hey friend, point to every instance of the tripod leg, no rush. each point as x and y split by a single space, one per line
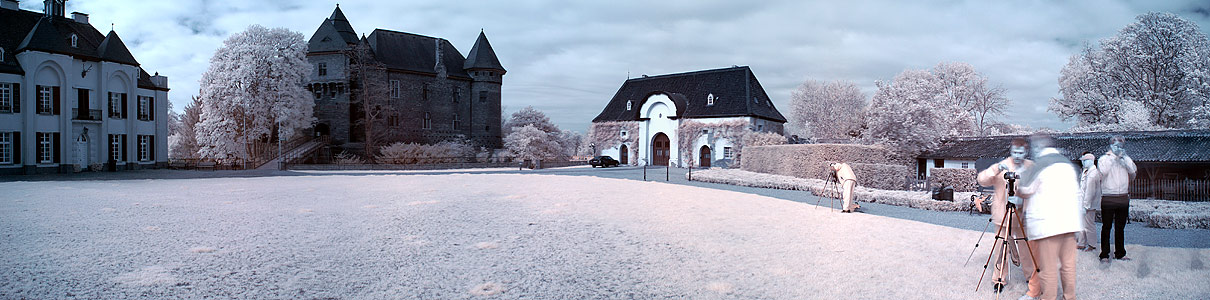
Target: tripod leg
1027 245
821 194
992 253
980 240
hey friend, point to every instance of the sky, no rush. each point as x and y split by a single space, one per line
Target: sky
567 58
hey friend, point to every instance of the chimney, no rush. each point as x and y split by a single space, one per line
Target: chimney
10 4
159 80
54 8
79 17
439 67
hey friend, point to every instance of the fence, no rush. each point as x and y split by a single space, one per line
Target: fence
1171 189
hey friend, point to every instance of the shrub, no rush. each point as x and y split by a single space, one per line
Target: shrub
809 160
346 158
401 153
881 176
962 180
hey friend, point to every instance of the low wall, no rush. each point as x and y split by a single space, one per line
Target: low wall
962 180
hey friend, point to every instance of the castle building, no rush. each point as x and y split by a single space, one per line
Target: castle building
659 105
433 92
71 97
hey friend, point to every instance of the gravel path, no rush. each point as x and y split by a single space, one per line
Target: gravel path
494 236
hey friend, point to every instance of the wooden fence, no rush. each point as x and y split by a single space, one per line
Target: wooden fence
1171 189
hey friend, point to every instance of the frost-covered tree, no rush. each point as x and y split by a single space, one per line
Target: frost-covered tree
831 110
372 95
252 91
182 142
1160 61
918 108
530 143
570 142
529 116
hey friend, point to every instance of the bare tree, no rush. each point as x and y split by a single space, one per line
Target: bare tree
372 94
832 110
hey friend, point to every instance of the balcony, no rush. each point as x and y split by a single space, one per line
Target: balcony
86 115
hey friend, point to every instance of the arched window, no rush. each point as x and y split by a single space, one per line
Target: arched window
457 122
73 40
628 103
710 100
428 122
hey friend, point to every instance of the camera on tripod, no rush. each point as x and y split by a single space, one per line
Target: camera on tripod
1011 176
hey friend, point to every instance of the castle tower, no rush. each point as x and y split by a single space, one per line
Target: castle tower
487 75
326 53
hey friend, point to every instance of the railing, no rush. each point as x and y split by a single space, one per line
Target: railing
1171 189
90 115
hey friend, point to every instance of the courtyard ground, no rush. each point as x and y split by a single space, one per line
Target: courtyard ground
498 236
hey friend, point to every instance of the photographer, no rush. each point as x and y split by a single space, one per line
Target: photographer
994 177
848 181
1116 171
1052 210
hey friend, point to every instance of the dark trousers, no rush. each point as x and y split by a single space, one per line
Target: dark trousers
1114 211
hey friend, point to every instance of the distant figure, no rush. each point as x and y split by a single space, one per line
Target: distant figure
1090 197
1116 170
848 180
994 177
1050 200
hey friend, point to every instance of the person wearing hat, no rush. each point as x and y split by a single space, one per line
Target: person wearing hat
1090 197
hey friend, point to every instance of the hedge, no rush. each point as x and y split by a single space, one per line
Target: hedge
870 163
962 180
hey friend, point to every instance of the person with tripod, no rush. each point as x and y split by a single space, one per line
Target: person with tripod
1050 198
848 180
994 176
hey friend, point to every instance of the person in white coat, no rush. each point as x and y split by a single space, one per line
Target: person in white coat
1053 212
1116 171
1090 196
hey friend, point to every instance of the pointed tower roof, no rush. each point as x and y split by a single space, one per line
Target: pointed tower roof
43 37
112 49
482 56
342 26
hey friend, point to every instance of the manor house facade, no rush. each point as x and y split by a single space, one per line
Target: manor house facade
433 92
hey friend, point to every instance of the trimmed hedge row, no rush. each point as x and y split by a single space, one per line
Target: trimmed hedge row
870 163
1154 213
962 180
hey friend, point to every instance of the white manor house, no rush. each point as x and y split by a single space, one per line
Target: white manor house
659 105
71 97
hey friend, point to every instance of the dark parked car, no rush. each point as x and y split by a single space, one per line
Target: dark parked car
603 161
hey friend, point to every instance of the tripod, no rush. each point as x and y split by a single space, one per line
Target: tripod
1010 213
831 189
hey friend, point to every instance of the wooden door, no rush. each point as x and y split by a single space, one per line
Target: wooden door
659 150
704 158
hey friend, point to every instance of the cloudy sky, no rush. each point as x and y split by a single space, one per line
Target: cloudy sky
567 58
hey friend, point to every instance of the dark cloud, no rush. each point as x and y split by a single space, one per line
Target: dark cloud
568 58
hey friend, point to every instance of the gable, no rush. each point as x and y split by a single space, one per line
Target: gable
732 90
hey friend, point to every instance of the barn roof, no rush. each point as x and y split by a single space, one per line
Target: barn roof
736 93
1150 146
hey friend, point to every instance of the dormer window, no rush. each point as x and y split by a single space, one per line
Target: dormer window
1 54
623 133
755 100
710 100
628 103
73 40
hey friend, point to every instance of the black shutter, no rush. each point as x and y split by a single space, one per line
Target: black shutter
123 112
109 104
150 108
55 97
123 136
17 148
151 147
54 140
38 147
16 97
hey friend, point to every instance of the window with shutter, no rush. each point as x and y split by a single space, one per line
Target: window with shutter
45 98
6 148
6 97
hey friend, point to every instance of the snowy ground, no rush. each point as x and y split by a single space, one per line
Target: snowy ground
496 236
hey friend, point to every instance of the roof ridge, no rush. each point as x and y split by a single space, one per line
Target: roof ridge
719 70
404 33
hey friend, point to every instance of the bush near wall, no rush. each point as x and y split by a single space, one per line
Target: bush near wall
962 180
870 163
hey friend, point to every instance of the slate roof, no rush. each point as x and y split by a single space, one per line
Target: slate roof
733 88
416 53
28 30
1147 146
342 26
113 49
482 56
